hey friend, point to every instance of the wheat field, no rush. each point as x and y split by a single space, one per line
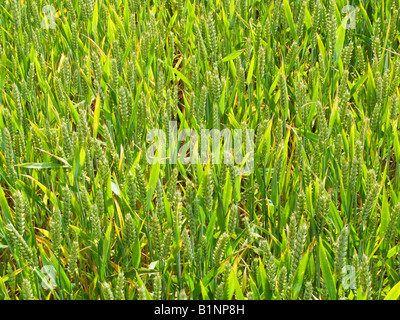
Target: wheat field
307 91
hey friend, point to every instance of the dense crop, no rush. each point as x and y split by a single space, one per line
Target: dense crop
317 217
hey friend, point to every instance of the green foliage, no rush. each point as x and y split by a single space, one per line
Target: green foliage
77 107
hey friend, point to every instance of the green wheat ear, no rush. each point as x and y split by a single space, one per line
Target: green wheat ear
394 219
11 276
281 284
16 239
212 35
232 220
371 197
301 206
167 244
308 290
298 250
70 9
107 291
9 151
209 191
385 84
129 232
114 75
220 247
157 288
187 242
301 101
300 19
96 223
365 276
322 212
324 290
216 86
332 27
322 125
142 293
257 37
119 288
284 93
15 9
219 293
242 82
56 232
82 128
347 54
74 32
155 228
394 107
26 290
19 213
